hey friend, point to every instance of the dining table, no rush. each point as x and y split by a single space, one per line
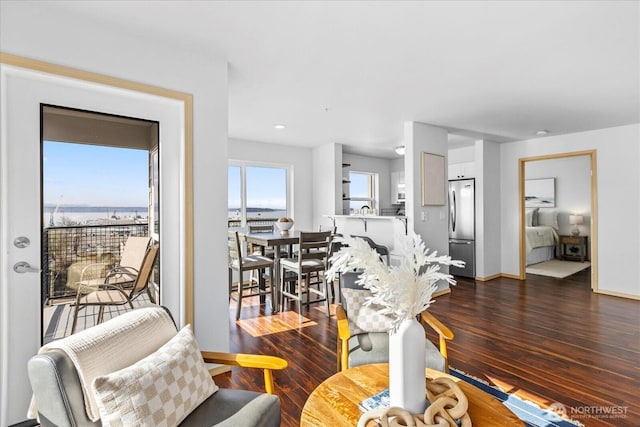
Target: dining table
276 240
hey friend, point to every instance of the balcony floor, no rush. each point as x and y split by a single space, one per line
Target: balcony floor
58 318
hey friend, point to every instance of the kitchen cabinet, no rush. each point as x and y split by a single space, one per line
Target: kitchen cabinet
462 170
397 187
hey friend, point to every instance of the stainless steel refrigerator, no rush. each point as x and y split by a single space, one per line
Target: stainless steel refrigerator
462 226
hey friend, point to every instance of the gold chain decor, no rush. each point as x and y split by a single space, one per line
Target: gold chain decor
448 404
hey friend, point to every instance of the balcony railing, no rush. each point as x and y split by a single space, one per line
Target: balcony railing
236 222
64 247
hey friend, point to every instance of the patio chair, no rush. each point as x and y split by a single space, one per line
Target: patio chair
113 294
92 275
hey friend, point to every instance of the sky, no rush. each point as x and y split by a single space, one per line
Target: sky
81 174
266 187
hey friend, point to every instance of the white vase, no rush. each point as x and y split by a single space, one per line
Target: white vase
407 382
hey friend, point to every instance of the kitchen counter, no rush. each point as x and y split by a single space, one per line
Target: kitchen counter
384 230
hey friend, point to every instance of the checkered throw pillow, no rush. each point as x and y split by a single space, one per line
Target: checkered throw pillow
159 390
364 318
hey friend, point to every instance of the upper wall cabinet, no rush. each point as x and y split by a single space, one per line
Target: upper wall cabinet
397 187
462 170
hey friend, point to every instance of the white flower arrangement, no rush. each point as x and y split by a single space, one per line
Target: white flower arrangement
404 290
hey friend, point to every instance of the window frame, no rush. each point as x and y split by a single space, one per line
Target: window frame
243 164
373 189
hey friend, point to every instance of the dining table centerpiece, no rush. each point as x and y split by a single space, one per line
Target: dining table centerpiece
402 292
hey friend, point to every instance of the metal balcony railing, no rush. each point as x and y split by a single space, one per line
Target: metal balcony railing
64 246
233 222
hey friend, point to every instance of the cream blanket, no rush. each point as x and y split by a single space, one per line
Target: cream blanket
540 236
111 346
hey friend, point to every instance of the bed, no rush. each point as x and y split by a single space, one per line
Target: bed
541 243
541 235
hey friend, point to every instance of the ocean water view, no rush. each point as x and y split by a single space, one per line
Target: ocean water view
86 215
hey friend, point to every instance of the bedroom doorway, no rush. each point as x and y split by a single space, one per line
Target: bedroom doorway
558 215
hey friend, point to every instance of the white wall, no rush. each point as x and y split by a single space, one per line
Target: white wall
462 155
373 165
488 221
327 183
573 188
299 158
397 165
40 32
418 138
618 201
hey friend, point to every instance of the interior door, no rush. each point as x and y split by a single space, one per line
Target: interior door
20 196
23 92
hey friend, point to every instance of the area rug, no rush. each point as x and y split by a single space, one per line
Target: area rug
557 268
528 412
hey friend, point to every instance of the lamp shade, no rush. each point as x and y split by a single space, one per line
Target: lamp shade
576 219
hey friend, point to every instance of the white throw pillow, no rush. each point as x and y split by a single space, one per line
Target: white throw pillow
548 217
159 390
528 218
364 318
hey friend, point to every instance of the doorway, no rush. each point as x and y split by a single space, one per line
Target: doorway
566 218
26 86
99 189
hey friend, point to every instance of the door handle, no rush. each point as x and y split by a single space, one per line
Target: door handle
24 267
452 210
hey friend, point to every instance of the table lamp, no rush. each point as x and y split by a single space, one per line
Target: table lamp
575 220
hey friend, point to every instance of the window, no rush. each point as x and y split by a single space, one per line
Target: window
257 193
363 190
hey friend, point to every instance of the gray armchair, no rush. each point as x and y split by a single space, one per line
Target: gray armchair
355 349
60 398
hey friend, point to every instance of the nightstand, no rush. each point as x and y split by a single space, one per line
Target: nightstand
573 248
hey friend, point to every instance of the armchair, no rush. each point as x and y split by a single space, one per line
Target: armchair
67 377
354 349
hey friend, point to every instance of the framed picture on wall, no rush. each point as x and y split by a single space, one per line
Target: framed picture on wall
540 193
432 179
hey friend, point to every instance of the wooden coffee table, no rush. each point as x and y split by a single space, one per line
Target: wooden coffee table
335 402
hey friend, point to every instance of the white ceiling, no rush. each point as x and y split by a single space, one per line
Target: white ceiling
353 72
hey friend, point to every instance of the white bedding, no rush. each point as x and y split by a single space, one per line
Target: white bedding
539 236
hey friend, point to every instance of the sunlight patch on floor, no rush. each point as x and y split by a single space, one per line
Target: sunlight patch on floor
273 324
522 394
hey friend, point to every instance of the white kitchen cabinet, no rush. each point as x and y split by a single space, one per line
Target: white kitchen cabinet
397 187
462 170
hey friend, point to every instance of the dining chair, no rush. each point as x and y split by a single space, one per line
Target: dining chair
382 250
110 294
310 263
285 250
241 264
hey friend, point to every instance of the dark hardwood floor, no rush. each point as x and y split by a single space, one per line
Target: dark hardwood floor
547 340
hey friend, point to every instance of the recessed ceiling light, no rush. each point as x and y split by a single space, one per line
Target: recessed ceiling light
400 150
280 126
542 132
